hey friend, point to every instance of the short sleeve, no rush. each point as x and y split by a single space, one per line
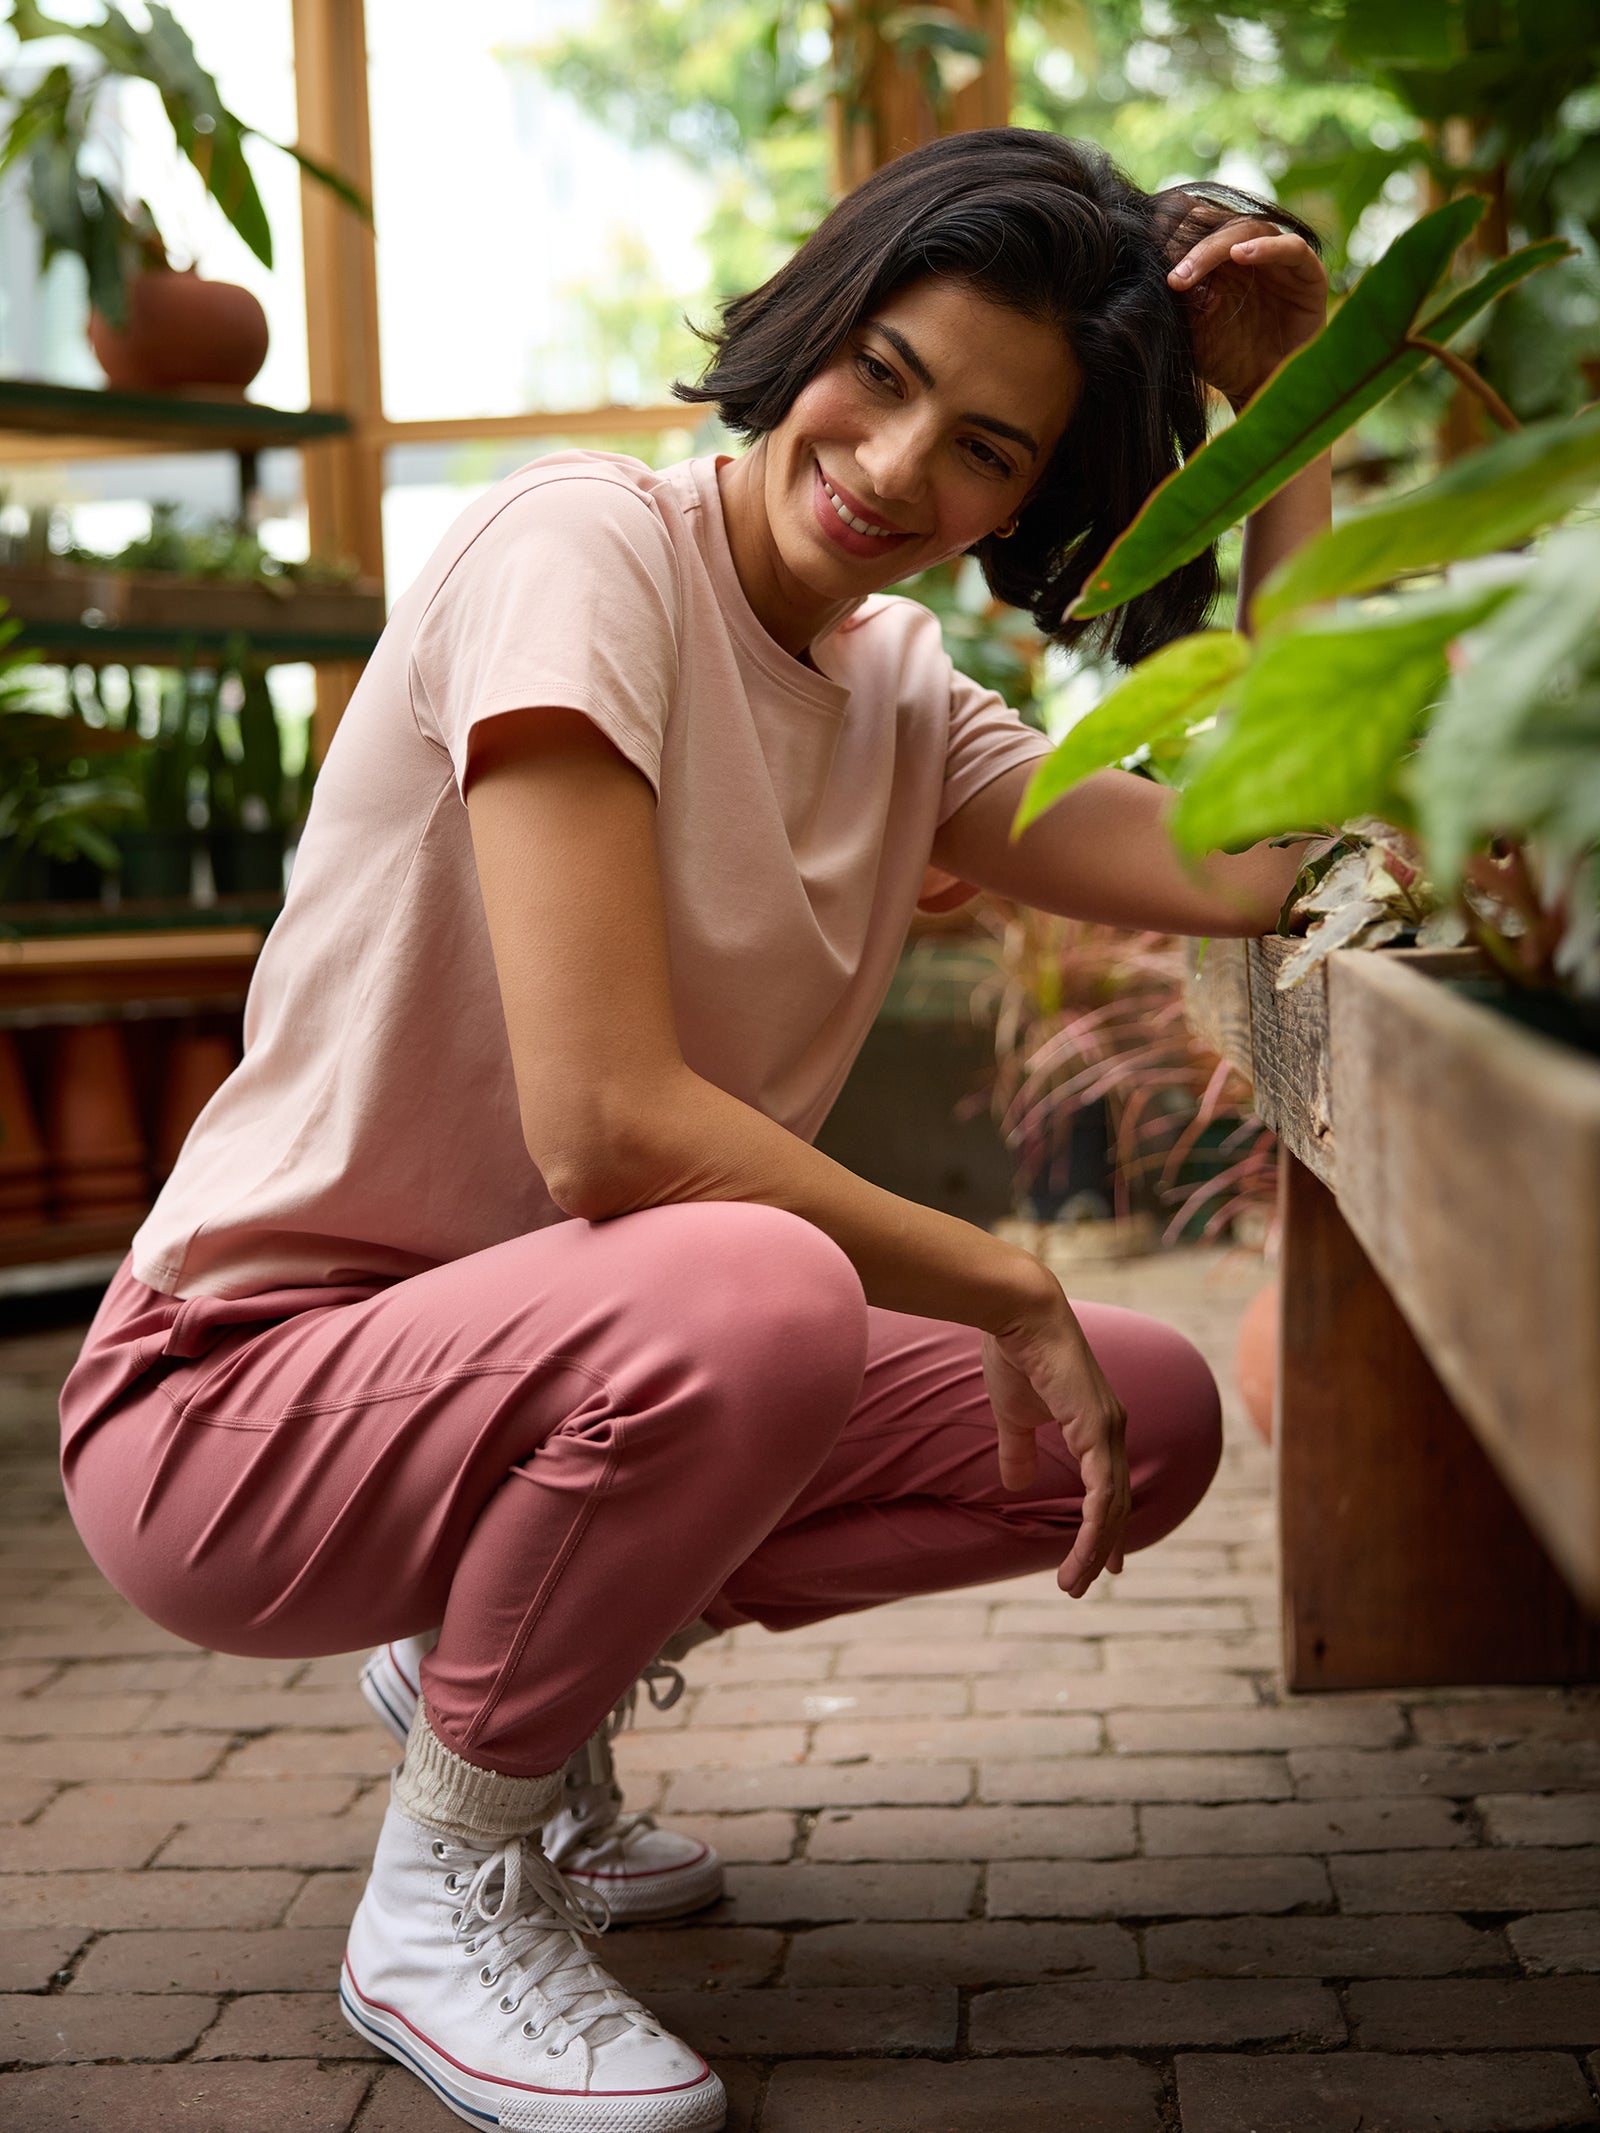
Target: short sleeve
986 739
567 598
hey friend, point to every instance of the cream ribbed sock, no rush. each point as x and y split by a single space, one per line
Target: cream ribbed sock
461 1799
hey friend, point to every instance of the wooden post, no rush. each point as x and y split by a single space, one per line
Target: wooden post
885 107
344 478
1405 1560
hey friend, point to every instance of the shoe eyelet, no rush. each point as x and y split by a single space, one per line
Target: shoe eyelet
452 1882
456 1917
437 1848
486 1976
508 2005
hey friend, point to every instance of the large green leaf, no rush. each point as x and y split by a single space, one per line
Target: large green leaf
1491 499
1321 723
1319 393
1167 693
1461 308
1514 748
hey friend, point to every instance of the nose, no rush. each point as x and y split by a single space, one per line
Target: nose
893 460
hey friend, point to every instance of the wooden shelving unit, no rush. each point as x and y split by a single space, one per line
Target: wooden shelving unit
157 971
72 613
149 965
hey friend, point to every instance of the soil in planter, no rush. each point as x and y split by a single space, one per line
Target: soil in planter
1548 1014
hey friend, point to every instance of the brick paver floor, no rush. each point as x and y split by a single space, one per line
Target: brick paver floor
1000 1863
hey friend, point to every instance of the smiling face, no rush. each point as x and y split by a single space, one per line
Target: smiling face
926 430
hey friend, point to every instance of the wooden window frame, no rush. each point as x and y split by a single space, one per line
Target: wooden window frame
344 478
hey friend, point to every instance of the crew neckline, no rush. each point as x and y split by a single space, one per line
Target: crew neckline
814 683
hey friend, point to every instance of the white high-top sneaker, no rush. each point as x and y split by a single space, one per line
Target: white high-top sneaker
465 1963
643 1872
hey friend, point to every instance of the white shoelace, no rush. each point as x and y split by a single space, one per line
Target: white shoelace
661 1681
519 1909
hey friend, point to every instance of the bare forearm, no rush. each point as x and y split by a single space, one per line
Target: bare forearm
696 1142
1301 509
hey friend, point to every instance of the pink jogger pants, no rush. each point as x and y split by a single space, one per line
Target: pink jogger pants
567 1447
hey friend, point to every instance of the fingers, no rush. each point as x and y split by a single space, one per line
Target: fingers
1249 244
1282 253
1105 1512
1216 246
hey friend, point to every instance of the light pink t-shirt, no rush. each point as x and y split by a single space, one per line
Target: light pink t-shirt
372 1129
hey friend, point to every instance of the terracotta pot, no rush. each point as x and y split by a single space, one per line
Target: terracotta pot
22 1158
1255 1359
197 1066
181 331
92 1129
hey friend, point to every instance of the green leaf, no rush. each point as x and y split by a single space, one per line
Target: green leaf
1319 393
321 172
1169 692
1321 722
1515 746
1491 499
1463 307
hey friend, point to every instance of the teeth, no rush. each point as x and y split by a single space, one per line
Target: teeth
857 525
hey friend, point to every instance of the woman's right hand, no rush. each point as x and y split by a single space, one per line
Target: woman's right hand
1041 1371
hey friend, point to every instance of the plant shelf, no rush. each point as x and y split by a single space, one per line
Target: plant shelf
74 421
131 975
71 612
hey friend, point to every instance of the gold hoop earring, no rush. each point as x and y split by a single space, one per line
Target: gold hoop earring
1004 533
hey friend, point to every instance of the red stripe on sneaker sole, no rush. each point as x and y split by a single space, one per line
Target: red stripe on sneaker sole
645 1873
504 2080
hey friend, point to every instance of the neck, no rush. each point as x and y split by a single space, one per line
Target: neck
790 612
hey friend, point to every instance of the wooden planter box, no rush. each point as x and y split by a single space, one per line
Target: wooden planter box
83 613
1455 1157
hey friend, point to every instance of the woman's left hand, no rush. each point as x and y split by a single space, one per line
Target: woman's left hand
1253 295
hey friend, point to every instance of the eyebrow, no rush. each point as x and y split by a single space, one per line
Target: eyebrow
914 363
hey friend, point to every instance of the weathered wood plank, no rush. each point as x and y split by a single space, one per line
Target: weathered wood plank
1469 1168
1405 1560
1289 1036
1217 999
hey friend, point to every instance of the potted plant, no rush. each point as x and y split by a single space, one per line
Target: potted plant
153 328
253 804
1107 1099
57 811
157 849
1438 732
1422 689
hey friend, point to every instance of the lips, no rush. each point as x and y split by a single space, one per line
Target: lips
841 518
851 510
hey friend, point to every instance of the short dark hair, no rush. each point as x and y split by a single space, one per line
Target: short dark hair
1052 229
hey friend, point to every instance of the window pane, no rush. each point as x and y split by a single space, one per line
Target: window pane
527 257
